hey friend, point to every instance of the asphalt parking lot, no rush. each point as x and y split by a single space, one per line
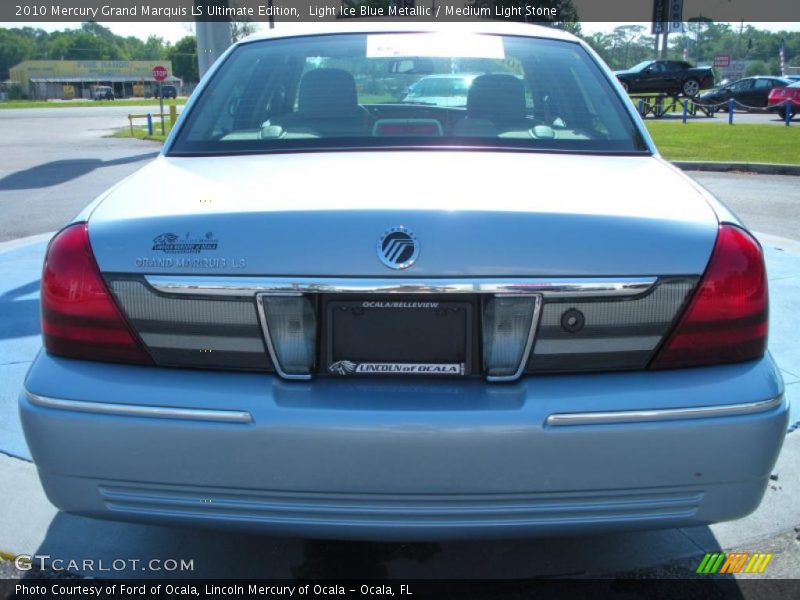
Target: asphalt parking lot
61 151
56 161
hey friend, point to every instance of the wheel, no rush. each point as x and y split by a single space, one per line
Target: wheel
783 113
690 87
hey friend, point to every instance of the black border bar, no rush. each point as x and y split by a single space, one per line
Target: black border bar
388 10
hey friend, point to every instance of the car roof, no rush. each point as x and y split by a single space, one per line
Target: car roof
287 30
753 77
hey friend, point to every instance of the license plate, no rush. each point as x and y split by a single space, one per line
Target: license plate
399 337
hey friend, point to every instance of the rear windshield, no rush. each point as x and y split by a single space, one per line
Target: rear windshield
392 90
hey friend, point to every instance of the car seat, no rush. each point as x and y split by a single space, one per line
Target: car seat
495 103
327 105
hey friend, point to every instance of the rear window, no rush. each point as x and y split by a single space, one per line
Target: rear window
391 90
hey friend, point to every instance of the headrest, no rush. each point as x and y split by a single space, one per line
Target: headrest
496 97
327 92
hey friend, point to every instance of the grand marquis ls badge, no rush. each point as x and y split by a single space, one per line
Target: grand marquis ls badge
398 248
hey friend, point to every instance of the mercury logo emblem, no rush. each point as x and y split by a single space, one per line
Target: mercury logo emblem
398 248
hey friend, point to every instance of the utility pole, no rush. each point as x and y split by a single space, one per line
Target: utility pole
213 37
665 45
739 41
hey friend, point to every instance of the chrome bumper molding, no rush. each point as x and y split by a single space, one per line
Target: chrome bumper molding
666 414
133 410
547 287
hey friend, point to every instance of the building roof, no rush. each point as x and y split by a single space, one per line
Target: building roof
171 78
87 70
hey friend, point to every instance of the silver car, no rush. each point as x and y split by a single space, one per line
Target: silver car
357 318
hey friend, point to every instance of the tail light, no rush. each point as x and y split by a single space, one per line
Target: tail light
79 316
726 319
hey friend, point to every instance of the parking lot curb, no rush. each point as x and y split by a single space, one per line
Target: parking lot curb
725 167
25 241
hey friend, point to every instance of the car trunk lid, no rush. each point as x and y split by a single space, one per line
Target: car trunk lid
475 214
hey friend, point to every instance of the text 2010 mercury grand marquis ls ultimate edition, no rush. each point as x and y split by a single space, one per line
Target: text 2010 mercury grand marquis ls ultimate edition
363 317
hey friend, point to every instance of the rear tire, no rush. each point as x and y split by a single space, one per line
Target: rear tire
690 88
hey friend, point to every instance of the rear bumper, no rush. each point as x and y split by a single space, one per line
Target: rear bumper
409 460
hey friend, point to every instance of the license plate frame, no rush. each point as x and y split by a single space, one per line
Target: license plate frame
380 337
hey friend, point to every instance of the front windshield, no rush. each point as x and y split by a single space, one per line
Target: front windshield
411 89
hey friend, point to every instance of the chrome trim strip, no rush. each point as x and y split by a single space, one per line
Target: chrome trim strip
273 355
666 414
592 345
220 343
526 353
149 411
549 287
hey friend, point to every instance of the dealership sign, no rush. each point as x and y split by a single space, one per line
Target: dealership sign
667 16
722 61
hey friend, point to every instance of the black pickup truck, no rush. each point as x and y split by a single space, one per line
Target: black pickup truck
673 77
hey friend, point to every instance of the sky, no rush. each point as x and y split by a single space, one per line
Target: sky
172 32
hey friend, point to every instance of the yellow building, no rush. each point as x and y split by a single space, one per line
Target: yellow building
45 79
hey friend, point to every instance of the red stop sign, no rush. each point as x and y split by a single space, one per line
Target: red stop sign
159 73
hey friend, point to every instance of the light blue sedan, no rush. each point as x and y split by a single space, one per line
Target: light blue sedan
355 318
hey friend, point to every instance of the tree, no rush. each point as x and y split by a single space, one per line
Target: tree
696 26
154 48
601 43
757 67
14 48
184 59
623 37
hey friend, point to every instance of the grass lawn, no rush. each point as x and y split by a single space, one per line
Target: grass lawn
727 143
140 132
85 103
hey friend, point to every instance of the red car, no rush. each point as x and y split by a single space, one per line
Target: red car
778 97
